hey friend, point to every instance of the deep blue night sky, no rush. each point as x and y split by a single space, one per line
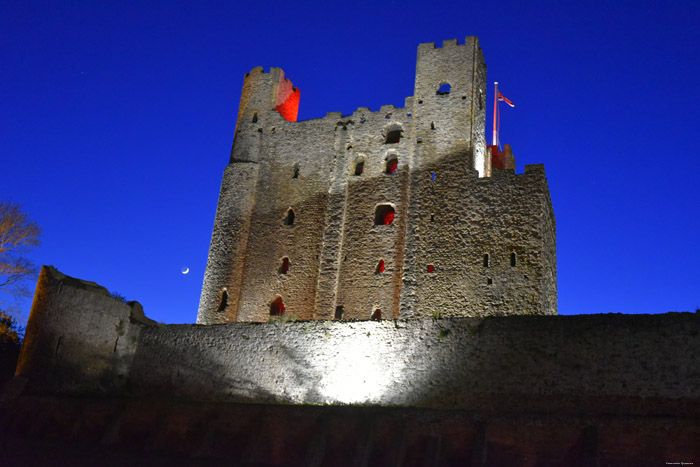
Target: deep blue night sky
116 122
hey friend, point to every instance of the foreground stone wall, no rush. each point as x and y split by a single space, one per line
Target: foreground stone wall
514 362
80 341
99 381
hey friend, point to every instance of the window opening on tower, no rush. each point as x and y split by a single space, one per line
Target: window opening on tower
384 215
359 168
391 165
443 90
277 306
224 301
289 217
380 267
393 136
284 267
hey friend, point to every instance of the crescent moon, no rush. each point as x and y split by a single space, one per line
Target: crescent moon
185 270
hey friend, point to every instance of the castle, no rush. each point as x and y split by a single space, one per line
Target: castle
401 213
397 213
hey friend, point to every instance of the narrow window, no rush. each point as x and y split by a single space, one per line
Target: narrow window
359 168
284 267
432 125
277 306
384 215
380 267
489 281
512 260
296 171
289 218
486 260
444 89
376 315
391 165
432 176
58 344
255 117
393 137
431 268
432 218
224 301
338 312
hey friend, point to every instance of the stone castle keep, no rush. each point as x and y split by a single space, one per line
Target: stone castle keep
397 213
344 222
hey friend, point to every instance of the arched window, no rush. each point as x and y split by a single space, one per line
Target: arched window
512 260
444 89
277 306
393 136
359 168
384 215
376 315
380 267
338 312
391 165
284 267
224 301
486 260
295 174
255 117
289 217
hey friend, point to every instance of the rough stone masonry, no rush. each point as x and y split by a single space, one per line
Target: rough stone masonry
397 213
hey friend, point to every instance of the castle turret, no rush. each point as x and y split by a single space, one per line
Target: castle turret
448 103
262 97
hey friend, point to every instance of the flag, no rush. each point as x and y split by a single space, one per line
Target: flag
503 98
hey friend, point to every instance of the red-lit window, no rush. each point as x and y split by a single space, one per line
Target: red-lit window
380 267
277 307
431 268
359 168
384 215
391 165
284 268
376 315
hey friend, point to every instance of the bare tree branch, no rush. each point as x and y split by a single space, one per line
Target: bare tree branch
18 235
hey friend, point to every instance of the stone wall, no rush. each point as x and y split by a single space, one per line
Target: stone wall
80 341
100 381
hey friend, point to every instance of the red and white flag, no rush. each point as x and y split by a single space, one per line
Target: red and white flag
503 98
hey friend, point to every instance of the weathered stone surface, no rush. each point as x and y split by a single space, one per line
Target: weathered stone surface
78 338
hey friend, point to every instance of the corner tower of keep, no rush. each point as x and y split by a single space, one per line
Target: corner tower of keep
393 213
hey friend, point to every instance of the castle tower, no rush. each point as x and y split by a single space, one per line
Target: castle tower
449 154
265 96
380 214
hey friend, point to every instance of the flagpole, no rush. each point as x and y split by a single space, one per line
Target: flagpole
495 111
